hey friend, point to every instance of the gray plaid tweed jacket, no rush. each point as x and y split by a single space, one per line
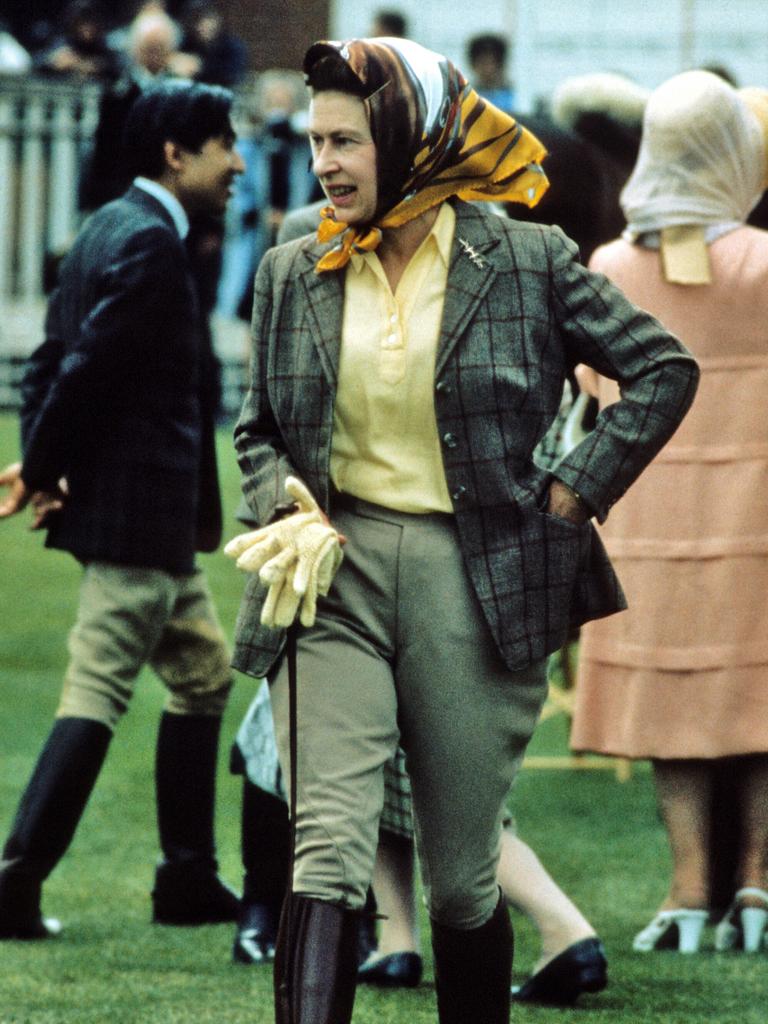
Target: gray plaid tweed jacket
519 312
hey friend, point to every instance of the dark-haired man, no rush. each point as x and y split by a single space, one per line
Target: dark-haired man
119 467
487 55
389 23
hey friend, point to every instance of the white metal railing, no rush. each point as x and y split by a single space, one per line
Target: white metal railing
45 129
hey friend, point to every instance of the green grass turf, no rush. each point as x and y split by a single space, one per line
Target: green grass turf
601 840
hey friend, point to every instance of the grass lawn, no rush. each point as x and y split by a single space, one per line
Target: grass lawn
600 838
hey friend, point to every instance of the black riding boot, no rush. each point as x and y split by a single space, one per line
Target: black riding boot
46 819
315 962
188 890
266 851
473 971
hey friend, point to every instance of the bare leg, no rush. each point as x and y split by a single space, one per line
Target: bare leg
393 884
529 887
753 787
684 790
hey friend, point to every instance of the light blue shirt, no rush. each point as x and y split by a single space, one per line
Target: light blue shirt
169 201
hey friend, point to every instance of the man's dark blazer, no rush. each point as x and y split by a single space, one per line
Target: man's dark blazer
519 312
114 400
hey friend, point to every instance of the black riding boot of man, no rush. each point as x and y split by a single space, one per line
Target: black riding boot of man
188 890
46 819
315 962
473 971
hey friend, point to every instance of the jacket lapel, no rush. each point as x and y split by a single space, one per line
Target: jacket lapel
325 303
470 275
150 205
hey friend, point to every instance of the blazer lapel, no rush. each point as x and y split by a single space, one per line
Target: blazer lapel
470 275
325 303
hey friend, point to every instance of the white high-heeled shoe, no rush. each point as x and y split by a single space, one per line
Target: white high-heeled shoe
744 926
672 929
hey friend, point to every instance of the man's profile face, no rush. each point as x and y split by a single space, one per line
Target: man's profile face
205 179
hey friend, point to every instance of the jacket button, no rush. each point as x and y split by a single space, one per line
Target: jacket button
450 440
443 387
459 493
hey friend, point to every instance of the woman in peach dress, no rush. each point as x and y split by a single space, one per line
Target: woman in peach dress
682 677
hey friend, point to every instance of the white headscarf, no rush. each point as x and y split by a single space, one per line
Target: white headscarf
701 166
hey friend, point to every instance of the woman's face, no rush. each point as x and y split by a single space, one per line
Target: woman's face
344 155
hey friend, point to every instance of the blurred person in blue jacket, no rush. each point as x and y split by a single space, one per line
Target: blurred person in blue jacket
277 179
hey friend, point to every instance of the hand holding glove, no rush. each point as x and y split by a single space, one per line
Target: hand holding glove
296 557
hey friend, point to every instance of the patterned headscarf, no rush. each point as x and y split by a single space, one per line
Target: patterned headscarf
435 137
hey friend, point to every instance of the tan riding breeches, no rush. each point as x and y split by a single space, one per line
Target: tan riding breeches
401 652
128 617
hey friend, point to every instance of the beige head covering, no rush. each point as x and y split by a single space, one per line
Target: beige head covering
757 101
700 170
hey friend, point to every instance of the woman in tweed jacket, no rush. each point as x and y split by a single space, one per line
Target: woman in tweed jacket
405 365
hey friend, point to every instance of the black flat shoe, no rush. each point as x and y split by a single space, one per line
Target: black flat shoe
188 895
256 934
32 930
396 970
581 967
20 914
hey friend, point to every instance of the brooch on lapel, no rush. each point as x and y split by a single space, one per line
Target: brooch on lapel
472 253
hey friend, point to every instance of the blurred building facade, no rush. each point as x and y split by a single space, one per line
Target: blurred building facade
554 39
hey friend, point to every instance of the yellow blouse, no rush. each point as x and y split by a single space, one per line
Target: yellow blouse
385 443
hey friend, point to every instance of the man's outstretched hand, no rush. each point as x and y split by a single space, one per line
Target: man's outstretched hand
19 496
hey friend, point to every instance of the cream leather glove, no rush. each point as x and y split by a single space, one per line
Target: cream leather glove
296 557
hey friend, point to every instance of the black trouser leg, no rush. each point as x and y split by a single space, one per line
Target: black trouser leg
46 819
724 839
473 971
187 887
265 844
315 962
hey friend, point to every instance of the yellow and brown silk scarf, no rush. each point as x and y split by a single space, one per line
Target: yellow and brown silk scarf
435 138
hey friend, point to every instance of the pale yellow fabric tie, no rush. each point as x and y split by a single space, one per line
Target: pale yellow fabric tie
684 254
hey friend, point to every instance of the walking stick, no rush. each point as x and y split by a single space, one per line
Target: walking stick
293 743
284 958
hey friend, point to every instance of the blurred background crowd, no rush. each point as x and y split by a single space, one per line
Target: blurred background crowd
100 56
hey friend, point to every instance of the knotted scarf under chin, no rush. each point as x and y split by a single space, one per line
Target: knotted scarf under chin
352 240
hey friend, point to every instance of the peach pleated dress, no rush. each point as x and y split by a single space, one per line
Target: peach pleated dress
684 672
